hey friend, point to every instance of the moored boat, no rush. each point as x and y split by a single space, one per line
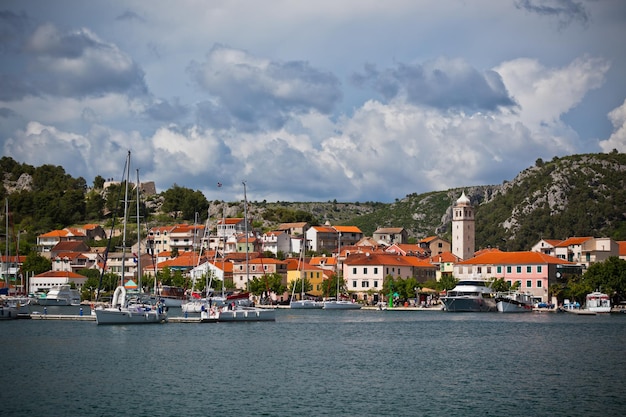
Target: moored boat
122 312
60 295
341 305
514 302
469 296
598 302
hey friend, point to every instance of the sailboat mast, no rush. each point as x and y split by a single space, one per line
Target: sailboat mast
125 217
138 239
245 215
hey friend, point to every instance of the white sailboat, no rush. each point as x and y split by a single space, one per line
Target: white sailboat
234 311
121 310
302 303
338 303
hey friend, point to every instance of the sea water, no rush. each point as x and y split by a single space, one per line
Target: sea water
320 363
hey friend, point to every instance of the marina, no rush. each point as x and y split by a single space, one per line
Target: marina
387 363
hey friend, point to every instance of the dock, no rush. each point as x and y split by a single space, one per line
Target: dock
38 316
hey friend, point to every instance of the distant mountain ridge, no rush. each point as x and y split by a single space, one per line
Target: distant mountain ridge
577 195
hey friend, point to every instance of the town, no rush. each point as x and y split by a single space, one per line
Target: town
372 270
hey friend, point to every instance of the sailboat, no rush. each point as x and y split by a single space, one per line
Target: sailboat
302 303
236 311
121 310
338 303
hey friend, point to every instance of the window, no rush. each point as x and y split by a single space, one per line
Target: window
353 284
529 269
508 269
499 269
489 270
529 284
479 269
539 283
375 271
518 269
354 271
365 284
510 283
539 269
375 284
364 271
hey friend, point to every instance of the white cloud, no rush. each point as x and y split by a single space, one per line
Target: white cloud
618 138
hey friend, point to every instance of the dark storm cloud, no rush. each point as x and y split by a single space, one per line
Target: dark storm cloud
13 30
566 11
167 111
14 88
253 89
78 64
442 84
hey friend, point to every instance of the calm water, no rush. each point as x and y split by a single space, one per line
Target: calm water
320 363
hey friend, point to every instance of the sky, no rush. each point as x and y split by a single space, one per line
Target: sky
351 100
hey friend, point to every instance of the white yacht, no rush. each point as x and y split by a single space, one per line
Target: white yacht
469 296
122 312
341 305
60 295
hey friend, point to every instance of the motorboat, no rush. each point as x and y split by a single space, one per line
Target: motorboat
470 296
598 302
514 302
60 295
123 312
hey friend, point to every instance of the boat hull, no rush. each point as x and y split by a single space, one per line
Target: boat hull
137 315
8 313
505 306
468 304
341 305
241 314
305 304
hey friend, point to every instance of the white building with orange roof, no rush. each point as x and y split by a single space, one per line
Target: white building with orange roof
581 250
46 241
445 264
186 237
49 279
534 271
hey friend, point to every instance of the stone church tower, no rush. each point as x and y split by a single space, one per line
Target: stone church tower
463 231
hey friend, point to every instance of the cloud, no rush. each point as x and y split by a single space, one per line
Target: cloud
442 84
617 140
260 93
565 11
78 63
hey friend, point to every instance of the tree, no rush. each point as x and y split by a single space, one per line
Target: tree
98 182
36 264
608 276
447 282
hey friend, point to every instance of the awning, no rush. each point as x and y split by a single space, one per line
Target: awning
130 284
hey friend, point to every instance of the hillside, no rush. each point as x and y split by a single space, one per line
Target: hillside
578 195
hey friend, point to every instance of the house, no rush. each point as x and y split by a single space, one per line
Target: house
435 245
93 231
622 249
445 264
47 241
276 241
391 235
348 235
9 271
315 276
584 251
158 239
257 267
69 246
322 239
534 271
407 249
294 229
49 279
185 237
365 273
72 261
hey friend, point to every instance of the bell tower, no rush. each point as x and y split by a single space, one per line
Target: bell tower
463 231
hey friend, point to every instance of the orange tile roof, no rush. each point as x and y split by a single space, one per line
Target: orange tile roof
348 229
59 274
514 258
573 241
324 229
55 233
622 247
445 257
